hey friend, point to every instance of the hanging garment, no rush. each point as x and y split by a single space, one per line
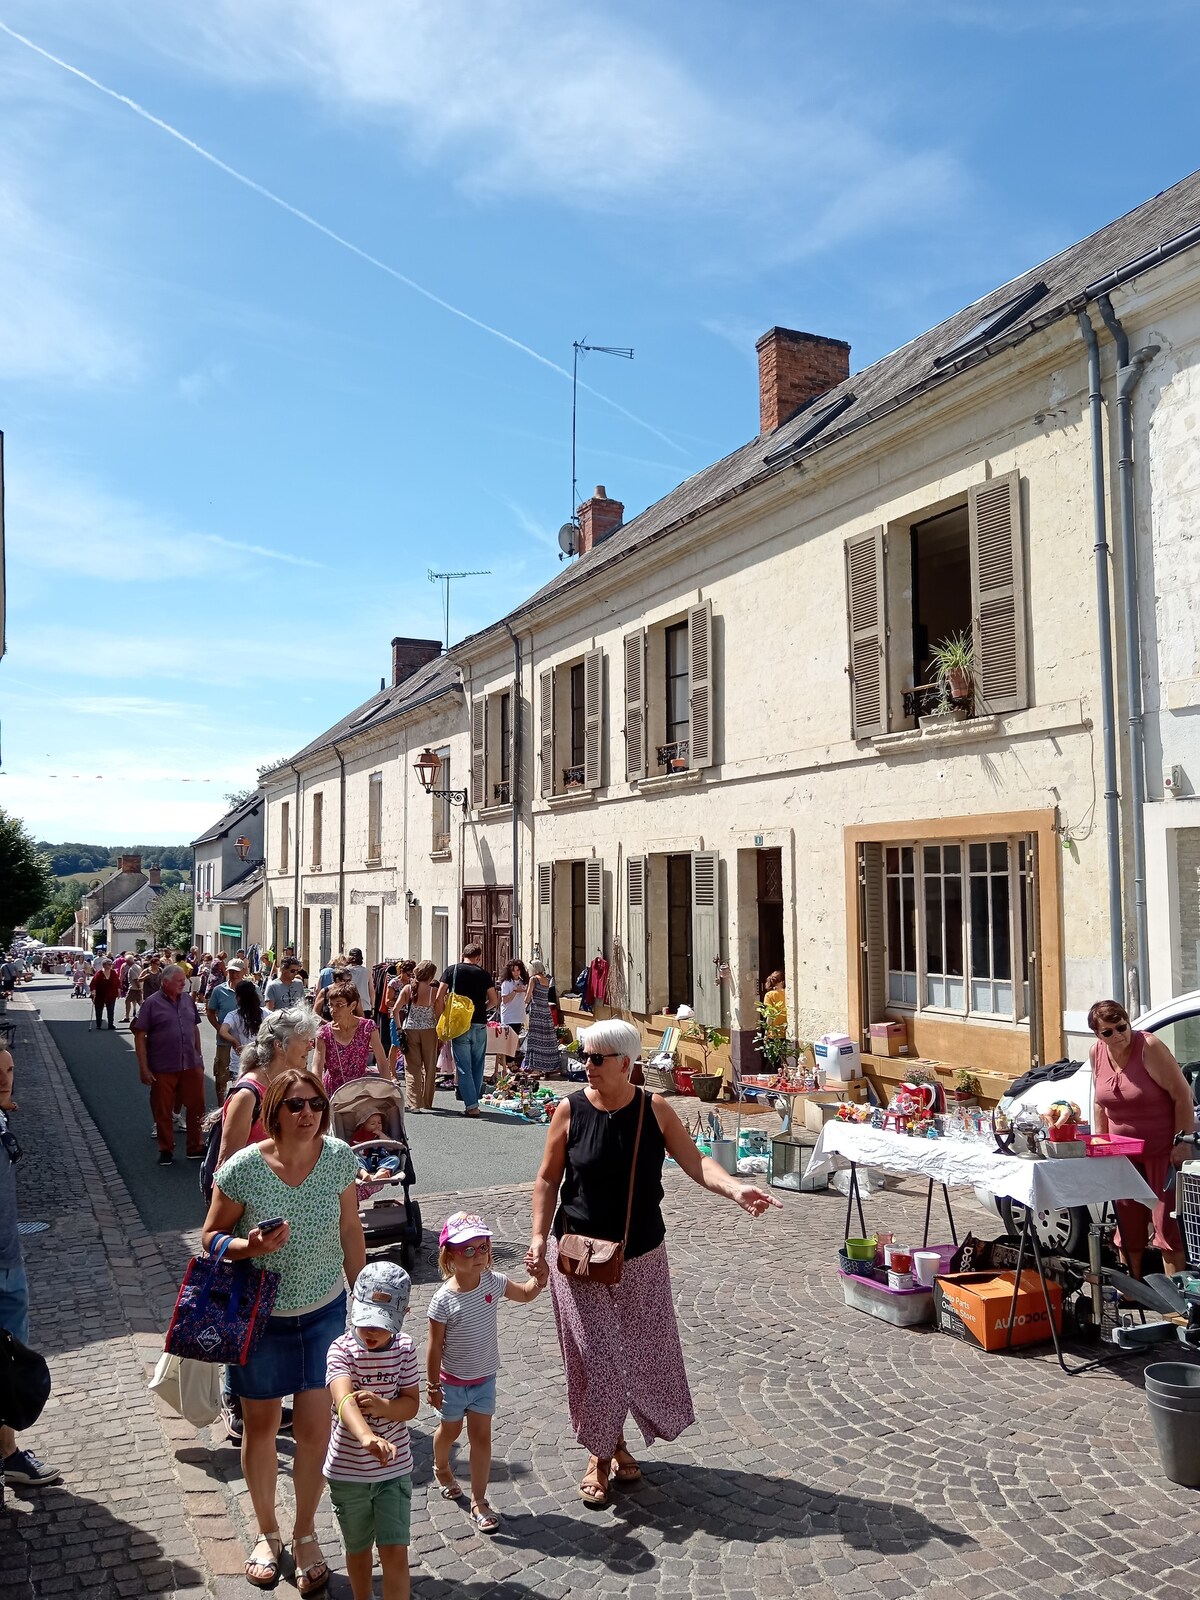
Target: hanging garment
596 988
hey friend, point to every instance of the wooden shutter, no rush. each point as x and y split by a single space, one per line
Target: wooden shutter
546 729
700 740
635 904
635 704
866 594
545 913
593 718
706 938
478 750
998 594
593 915
872 953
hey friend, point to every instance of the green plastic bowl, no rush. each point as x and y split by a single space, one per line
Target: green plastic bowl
861 1249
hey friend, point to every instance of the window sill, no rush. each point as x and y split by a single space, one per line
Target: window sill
441 855
973 731
570 797
373 861
670 780
486 813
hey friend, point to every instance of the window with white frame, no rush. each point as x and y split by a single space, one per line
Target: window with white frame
956 927
375 817
442 803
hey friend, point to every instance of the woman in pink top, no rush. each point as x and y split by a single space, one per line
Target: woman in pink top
349 1046
1140 1093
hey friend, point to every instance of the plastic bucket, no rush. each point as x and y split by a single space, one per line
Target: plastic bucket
724 1153
1173 1395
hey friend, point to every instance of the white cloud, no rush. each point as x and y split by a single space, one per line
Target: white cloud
208 378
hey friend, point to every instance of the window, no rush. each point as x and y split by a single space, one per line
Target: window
305 934
441 805
966 951
492 749
995 322
285 834
911 588
318 824
506 743
571 725
326 936
579 953
669 695
375 817
673 933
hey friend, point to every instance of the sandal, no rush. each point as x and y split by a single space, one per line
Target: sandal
484 1518
625 1468
306 1582
270 1564
449 1488
593 1491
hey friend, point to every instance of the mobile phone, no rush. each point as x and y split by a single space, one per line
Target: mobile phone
271 1225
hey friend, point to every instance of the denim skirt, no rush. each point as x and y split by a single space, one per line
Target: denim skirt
291 1354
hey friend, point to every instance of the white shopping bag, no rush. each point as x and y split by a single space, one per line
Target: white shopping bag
193 1388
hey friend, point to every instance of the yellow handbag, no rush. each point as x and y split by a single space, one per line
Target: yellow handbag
458 1015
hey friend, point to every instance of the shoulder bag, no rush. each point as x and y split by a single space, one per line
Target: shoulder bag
602 1260
24 1383
193 1388
459 1013
222 1309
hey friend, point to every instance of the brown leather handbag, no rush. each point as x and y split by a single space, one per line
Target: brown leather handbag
601 1260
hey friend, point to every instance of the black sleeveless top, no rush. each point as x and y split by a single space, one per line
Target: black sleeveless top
595 1186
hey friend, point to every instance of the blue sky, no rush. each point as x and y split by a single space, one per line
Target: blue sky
234 446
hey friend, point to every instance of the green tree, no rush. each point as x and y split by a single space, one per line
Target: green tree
169 922
26 882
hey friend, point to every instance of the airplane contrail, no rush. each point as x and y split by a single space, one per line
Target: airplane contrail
337 238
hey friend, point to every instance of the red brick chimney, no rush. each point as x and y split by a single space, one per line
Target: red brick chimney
130 863
794 368
409 654
598 518
155 876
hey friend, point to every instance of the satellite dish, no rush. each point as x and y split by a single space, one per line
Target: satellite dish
567 535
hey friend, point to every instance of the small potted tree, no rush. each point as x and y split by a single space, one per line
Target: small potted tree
705 1084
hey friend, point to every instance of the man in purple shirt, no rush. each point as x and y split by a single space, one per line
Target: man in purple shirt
166 1036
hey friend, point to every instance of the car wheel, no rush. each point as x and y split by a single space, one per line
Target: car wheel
1061 1230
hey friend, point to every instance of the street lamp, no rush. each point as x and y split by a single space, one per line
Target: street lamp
242 846
427 767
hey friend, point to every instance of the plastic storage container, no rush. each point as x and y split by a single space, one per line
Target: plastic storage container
908 1308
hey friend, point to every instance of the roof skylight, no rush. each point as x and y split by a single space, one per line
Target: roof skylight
996 321
813 425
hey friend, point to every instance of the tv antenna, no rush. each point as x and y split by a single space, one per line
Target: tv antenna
446 579
568 531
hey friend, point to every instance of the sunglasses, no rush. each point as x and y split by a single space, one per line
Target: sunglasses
1120 1027
469 1250
298 1102
598 1060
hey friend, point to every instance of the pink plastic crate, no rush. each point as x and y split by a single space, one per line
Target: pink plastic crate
1112 1144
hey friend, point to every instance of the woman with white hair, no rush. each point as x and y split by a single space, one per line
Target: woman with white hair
603 1163
541 1047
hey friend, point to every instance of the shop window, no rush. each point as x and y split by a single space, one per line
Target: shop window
669 683
571 725
912 587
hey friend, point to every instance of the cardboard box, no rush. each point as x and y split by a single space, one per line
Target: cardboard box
888 1039
975 1306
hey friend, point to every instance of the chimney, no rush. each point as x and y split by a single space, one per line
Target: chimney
794 368
409 654
130 863
598 518
155 876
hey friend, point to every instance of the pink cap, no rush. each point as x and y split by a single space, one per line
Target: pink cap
461 1227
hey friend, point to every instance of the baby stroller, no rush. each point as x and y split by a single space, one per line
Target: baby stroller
388 1212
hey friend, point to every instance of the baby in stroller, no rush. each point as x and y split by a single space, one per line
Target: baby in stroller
378 1162
368 1113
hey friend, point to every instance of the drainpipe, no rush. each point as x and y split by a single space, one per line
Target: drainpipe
1129 375
515 794
341 944
297 839
1112 818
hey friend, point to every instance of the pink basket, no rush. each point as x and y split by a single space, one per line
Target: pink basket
1112 1144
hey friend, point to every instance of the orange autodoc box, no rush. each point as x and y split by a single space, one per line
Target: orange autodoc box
975 1307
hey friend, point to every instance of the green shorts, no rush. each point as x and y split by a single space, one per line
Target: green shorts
378 1513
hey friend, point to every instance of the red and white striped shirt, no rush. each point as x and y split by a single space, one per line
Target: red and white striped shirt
385 1371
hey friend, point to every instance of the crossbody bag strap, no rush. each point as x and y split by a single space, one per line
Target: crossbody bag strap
633 1170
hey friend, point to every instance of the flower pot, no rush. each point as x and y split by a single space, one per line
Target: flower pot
958 681
707 1085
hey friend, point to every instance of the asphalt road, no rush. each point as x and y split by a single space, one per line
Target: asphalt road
450 1152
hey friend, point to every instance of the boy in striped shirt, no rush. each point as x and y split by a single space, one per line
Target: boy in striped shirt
374 1381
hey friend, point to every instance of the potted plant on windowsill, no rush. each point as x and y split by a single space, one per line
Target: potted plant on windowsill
966 1087
953 664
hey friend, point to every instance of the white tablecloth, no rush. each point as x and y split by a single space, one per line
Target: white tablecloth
1053 1182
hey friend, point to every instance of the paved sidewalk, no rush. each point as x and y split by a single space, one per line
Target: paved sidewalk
835 1456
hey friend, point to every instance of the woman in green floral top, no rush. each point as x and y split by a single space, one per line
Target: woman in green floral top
301 1174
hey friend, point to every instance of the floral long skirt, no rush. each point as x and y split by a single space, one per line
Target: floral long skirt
621 1351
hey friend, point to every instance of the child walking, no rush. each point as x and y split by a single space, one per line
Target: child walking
463 1355
374 1379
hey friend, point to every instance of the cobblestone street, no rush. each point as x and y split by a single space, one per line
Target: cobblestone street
834 1455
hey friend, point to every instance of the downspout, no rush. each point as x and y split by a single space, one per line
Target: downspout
515 795
341 944
1112 818
296 845
1129 375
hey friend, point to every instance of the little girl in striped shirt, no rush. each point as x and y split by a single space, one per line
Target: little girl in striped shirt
463 1355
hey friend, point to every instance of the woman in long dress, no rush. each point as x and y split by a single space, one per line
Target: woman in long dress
541 1047
349 1046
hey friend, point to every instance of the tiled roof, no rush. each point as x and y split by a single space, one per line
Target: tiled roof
132 913
902 376
426 683
242 888
229 821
